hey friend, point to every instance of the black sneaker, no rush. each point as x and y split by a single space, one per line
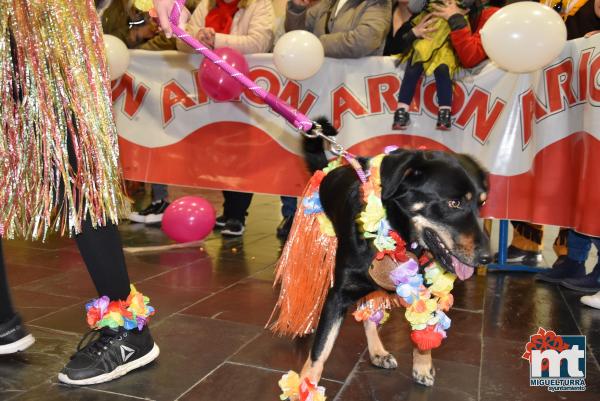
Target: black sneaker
515 255
220 221
14 337
233 228
444 120
564 268
111 355
588 283
401 119
152 214
283 229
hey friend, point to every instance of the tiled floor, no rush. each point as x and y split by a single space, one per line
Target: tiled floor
213 303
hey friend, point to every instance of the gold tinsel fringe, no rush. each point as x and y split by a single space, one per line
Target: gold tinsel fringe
55 91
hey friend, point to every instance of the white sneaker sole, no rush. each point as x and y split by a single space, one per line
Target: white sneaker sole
17 346
154 218
121 370
136 218
232 233
591 300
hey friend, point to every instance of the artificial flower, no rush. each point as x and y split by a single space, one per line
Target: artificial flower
335 163
426 339
325 225
312 203
144 5
445 302
404 271
289 385
309 391
409 291
373 214
315 181
419 312
443 284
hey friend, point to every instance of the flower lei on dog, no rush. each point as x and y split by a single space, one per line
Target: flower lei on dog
425 295
129 314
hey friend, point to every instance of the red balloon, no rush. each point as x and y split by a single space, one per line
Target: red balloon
190 218
217 83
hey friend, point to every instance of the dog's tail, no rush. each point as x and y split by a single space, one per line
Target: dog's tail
305 271
314 151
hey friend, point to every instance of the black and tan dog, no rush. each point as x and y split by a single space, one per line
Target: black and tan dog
430 197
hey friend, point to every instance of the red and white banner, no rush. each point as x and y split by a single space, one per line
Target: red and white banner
538 134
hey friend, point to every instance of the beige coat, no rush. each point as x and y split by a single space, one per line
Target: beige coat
252 30
358 30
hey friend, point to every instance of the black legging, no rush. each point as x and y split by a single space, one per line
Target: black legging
413 72
102 253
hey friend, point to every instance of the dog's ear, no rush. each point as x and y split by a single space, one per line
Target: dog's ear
475 170
397 168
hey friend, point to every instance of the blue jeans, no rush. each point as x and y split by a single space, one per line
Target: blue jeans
160 192
579 245
288 206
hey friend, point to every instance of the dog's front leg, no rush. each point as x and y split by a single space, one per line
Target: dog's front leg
327 332
377 352
423 370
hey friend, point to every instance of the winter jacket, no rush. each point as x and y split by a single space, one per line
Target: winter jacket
357 30
252 30
465 37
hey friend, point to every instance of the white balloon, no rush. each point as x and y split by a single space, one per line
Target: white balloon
298 55
524 36
117 56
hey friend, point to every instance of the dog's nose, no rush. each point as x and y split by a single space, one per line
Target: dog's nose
485 258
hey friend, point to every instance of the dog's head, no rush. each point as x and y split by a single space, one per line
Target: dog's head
433 198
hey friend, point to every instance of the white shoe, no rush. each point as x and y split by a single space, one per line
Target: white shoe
592 300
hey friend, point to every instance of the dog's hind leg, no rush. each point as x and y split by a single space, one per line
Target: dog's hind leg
423 370
327 332
377 352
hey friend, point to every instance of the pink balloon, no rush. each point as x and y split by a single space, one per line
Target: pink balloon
217 83
190 218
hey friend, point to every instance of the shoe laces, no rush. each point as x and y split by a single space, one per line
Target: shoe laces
98 340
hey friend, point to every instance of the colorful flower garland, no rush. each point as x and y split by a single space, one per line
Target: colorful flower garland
426 295
129 314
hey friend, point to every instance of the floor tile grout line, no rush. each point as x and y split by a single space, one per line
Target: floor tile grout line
481 347
350 376
577 325
273 370
114 393
218 366
70 333
220 291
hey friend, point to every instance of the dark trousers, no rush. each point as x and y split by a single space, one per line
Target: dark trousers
413 72
236 205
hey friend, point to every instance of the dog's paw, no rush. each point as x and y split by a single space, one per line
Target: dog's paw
384 361
426 378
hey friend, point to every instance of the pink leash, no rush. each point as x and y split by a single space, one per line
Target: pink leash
297 119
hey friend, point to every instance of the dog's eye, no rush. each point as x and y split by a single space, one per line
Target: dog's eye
454 204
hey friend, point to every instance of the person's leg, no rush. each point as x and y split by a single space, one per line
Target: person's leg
102 252
560 243
412 74
235 208
526 245
288 209
13 336
6 309
443 83
571 267
154 212
579 247
160 192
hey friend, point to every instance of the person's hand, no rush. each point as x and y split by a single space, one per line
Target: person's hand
206 36
163 10
425 28
302 3
447 10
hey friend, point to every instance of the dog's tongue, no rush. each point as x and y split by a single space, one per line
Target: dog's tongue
462 270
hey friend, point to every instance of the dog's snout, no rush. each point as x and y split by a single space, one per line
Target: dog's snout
485 258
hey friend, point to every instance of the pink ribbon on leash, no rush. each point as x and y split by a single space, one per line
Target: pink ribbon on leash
297 119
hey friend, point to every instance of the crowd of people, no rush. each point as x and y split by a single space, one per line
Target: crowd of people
346 28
